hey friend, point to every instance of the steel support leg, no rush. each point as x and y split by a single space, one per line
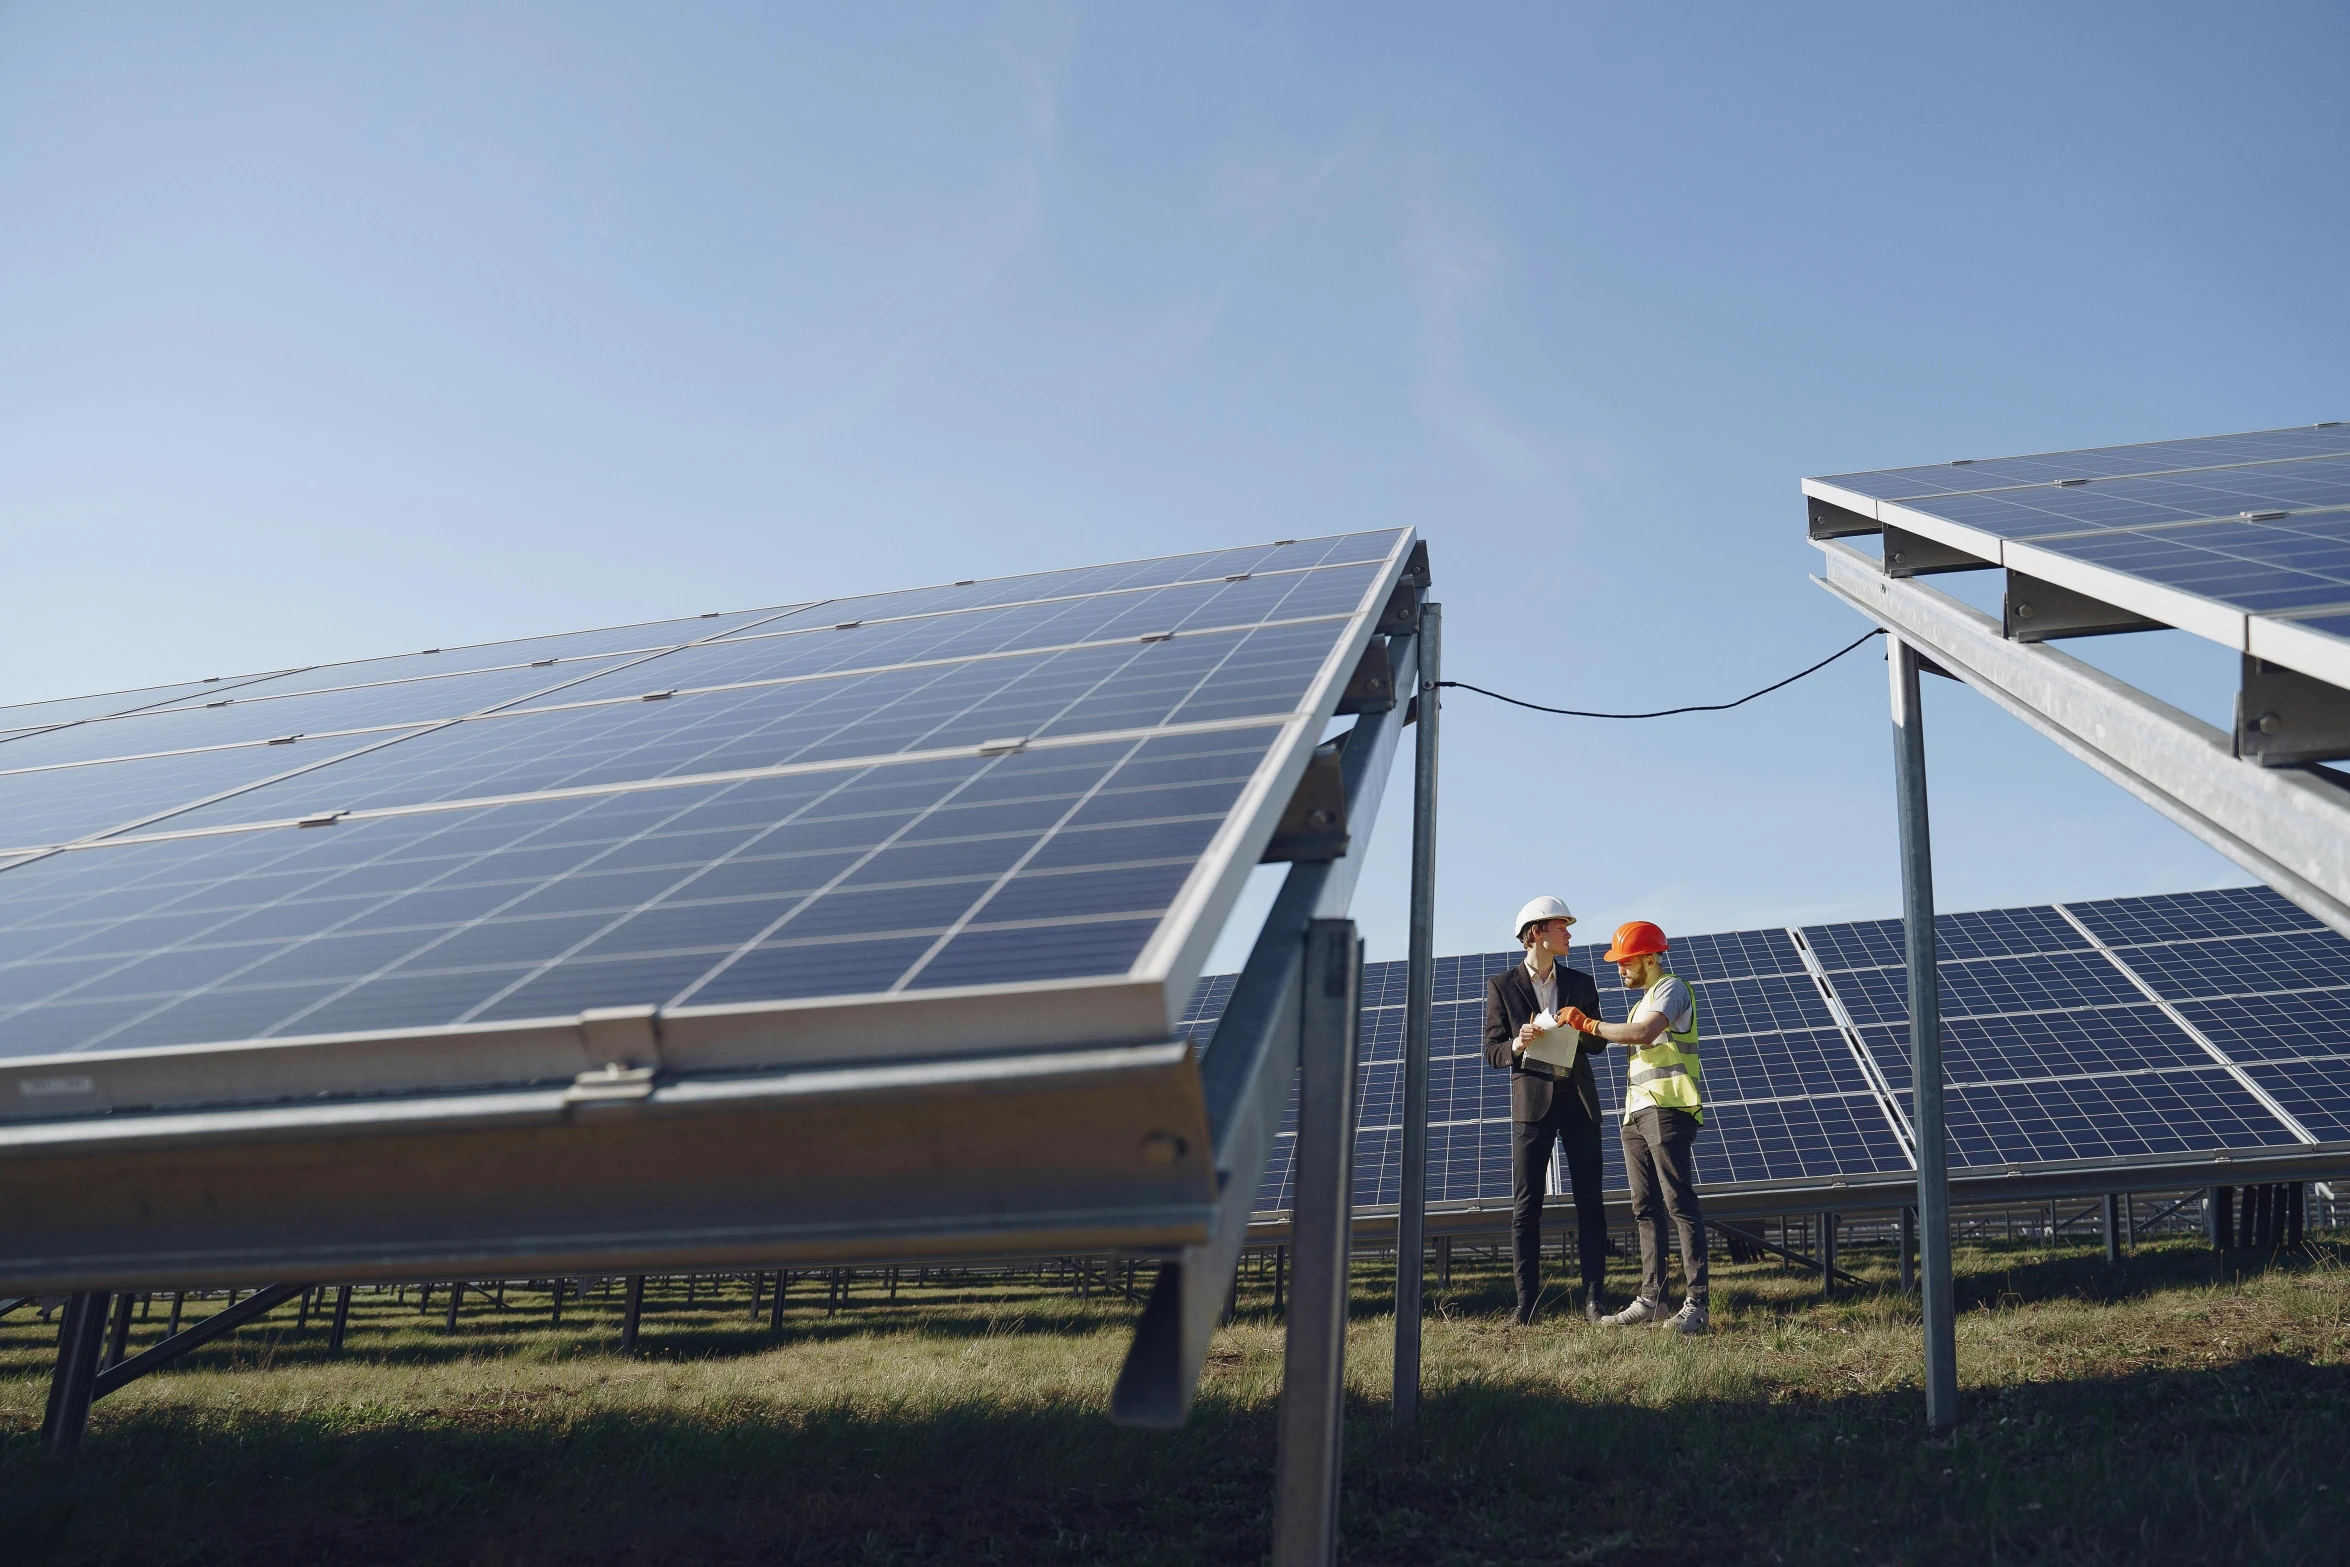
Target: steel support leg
1828 1226
1925 1038
775 1305
81 1336
118 1332
1419 1007
1909 1247
456 1298
2113 1227
1313 1386
633 1312
342 1322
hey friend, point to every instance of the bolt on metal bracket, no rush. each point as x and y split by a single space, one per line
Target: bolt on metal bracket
2285 718
1313 825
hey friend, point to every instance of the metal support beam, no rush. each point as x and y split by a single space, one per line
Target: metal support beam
2113 1227
2220 1217
1909 1249
1755 1239
81 1336
222 1322
1925 1037
632 1314
1828 1268
1313 1387
1419 1008
1246 1071
2284 825
342 1322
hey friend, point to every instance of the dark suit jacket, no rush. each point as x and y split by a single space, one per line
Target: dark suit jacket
1509 1002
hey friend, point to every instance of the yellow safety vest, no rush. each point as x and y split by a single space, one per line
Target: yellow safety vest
1665 1073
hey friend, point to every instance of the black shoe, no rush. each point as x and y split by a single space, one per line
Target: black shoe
1594 1304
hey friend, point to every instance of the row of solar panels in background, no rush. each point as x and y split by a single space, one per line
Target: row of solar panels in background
2052 1053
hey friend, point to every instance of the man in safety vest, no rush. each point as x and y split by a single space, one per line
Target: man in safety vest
1663 1108
1553 1098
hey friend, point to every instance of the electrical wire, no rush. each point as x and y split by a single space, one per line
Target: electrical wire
1707 707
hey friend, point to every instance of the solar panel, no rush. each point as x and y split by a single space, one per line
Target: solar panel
2245 539
2051 1050
968 792
2051 1053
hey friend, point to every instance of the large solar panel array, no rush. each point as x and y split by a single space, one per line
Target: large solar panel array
2253 525
984 784
2054 1052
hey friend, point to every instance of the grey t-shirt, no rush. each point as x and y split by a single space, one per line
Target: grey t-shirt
1671 996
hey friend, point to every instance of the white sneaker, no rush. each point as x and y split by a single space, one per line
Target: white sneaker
1689 1319
1633 1315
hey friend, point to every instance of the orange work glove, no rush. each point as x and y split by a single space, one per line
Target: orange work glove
1579 1020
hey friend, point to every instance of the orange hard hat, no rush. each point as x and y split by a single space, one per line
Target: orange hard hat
1634 938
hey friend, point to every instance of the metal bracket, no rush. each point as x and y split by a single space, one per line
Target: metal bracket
628 1041
1827 520
1313 825
2038 611
1415 567
2284 717
1910 554
1371 688
1402 613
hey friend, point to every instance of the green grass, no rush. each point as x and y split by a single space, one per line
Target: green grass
2178 1408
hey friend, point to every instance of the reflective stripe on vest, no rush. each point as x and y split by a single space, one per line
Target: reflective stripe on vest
1666 1074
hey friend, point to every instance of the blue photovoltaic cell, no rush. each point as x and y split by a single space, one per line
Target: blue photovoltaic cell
2102 462
61 804
2316 1092
25 718
2259 523
606 643
2050 1053
1212 678
244 721
1216 566
2188 916
2194 1110
1036 865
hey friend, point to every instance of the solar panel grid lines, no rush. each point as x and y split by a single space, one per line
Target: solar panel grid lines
23 719
275 777
2252 551
838 880
2203 1040
2194 454
1895 1111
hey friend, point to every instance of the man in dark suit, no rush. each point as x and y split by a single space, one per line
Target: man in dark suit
1549 1102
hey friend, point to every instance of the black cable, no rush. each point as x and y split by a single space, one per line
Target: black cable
1709 707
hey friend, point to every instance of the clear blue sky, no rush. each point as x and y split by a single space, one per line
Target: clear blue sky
330 331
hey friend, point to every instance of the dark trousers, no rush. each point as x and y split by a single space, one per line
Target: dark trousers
1663 1178
1530 1143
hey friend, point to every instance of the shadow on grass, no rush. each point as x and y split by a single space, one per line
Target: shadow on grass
2215 1465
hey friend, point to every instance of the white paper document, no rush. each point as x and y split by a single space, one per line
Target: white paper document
1557 1047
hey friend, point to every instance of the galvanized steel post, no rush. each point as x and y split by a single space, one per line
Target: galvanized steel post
1925 1038
1313 1385
1419 1003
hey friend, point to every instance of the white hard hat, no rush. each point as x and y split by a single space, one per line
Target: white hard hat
1543 909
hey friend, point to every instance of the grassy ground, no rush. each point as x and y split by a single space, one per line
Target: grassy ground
2176 1409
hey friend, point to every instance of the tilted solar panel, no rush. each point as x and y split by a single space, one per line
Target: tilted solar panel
2244 539
964 793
